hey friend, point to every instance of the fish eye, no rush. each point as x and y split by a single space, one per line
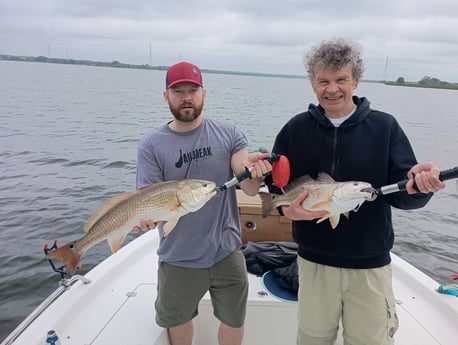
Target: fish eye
71 246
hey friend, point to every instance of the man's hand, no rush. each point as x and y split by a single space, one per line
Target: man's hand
295 211
258 163
426 177
145 225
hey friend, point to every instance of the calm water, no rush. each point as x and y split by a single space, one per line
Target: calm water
68 137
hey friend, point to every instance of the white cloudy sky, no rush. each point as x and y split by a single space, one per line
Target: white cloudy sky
419 37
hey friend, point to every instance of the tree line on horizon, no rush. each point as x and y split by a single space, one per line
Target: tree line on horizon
426 81
117 64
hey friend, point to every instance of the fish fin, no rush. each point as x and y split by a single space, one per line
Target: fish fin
334 220
115 243
270 201
68 256
323 218
107 206
322 204
169 226
325 178
347 214
267 203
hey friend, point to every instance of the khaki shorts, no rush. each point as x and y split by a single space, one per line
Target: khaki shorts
362 297
180 290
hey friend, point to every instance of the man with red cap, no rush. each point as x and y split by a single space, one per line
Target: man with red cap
202 253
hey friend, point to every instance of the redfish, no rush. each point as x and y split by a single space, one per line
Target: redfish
163 201
325 194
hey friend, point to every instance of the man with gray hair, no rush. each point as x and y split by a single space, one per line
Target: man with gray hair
345 274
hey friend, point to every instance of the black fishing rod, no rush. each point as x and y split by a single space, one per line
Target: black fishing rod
246 174
401 185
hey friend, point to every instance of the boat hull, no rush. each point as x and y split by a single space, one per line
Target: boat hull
116 306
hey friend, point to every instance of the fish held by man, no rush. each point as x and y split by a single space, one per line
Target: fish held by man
325 194
163 202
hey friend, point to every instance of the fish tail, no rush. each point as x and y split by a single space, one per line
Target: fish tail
267 203
68 256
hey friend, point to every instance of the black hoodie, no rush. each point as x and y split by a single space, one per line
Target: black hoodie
369 146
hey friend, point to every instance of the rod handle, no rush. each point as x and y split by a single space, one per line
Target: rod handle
401 185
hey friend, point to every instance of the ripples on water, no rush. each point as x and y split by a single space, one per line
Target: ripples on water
68 140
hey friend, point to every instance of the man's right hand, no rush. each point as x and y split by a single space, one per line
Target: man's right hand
145 225
295 211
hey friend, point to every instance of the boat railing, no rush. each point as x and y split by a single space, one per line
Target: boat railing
64 285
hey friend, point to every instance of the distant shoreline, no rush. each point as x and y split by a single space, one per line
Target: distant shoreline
117 64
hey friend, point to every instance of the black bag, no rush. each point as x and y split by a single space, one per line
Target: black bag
287 276
268 255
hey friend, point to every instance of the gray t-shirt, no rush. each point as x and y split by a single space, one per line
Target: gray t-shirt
202 238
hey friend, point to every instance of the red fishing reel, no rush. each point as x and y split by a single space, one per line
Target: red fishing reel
280 171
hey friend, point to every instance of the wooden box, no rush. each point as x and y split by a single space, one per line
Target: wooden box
257 229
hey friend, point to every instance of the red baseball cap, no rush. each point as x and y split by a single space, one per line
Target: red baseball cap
183 72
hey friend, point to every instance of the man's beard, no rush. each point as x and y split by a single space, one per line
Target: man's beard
186 114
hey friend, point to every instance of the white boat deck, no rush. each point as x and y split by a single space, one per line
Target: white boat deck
117 307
